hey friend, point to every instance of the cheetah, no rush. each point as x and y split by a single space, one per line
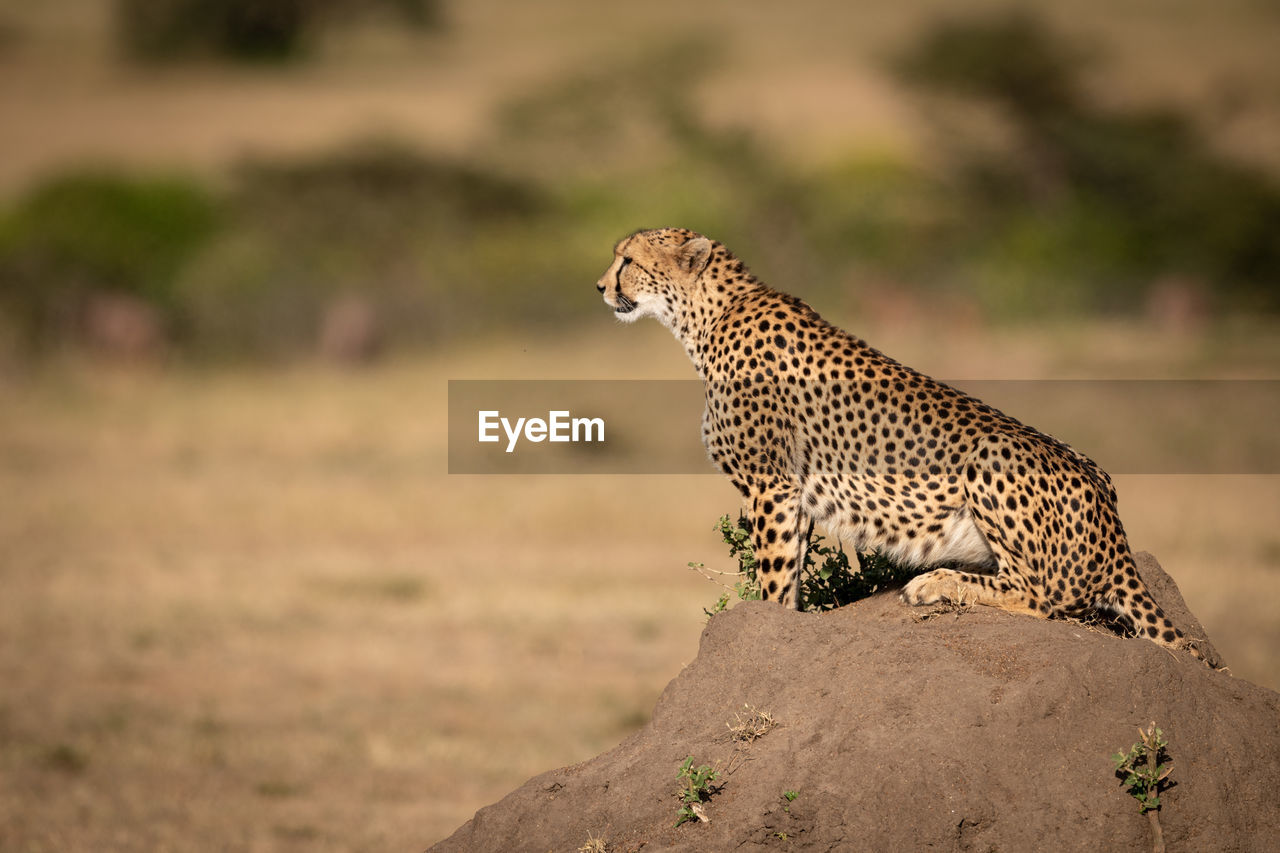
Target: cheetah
811 424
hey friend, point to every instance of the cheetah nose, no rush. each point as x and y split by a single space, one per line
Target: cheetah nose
599 287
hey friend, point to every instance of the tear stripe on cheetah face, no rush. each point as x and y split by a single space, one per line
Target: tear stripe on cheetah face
642 282
811 423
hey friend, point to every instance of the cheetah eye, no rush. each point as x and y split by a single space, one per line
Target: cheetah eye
625 261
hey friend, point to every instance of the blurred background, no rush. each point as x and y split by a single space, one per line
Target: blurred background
244 245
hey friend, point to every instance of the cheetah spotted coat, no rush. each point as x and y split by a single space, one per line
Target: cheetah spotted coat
812 424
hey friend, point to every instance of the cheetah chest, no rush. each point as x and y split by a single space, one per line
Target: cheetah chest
914 516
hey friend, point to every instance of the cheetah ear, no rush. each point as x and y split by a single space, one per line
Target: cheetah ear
693 256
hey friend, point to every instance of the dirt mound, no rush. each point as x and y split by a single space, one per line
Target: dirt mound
967 730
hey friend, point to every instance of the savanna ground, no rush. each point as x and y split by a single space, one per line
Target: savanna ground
251 608
246 607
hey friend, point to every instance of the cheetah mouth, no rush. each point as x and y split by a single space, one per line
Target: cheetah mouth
624 306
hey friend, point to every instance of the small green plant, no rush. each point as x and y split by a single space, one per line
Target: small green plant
791 795
1142 770
1145 769
828 581
722 603
747 587
695 789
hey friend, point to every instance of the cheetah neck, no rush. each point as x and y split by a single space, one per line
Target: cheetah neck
694 320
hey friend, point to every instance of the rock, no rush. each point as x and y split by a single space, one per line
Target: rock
972 729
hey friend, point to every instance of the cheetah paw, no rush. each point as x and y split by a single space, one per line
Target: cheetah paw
932 587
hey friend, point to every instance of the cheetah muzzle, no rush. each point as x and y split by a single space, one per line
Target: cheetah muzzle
812 424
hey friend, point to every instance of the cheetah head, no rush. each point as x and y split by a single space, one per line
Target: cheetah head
653 272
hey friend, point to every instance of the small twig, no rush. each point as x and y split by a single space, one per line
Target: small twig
707 573
1157 835
1153 767
737 759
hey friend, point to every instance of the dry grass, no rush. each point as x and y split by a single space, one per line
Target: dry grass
249 609
594 844
750 724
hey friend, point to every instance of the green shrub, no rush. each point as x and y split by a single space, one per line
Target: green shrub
246 30
827 581
236 29
1084 207
376 186
435 246
1011 57
90 232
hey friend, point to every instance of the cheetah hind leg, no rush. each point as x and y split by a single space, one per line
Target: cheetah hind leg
963 588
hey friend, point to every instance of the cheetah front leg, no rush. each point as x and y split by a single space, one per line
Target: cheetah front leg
775 518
